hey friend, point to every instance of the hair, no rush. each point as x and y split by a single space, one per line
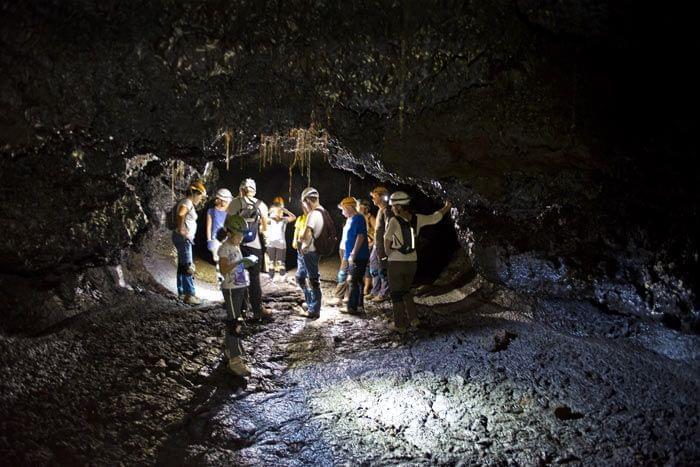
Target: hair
192 191
312 198
365 202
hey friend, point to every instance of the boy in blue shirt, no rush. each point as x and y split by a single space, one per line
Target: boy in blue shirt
356 253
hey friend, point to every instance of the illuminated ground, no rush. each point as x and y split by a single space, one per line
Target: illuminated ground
481 383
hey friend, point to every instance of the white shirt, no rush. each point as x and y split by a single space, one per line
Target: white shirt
236 207
314 221
190 218
344 237
275 235
393 232
238 277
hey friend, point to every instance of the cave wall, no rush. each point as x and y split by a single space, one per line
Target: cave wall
563 132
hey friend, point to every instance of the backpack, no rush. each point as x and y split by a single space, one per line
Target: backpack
251 214
326 242
408 230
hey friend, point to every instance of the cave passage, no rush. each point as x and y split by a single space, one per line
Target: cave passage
557 301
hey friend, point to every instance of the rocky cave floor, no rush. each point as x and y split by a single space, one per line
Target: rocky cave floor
143 381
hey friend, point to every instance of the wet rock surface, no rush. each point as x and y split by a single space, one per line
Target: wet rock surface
144 382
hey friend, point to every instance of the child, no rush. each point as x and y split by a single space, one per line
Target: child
276 241
234 285
215 221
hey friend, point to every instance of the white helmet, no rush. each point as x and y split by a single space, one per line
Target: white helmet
224 194
399 198
310 191
248 183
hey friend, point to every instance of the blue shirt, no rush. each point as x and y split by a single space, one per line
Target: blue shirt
217 220
358 226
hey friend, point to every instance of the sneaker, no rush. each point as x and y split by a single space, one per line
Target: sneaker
335 301
192 300
359 311
238 367
415 323
380 299
345 301
399 329
369 296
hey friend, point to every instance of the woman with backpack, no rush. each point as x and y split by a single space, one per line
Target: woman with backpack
400 244
185 227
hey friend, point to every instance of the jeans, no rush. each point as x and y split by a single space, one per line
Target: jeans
255 290
185 278
307 267
357 284
380 283
401 274
277 258
233 301
341 287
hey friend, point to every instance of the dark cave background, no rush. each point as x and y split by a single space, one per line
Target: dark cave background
565 133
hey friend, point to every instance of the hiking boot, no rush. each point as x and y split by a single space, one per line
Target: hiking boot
335 301
415 322
192 300
238 367
369 296
379 299
306 313
399 329
357 312
264 314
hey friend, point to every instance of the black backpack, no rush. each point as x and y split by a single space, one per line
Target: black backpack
408 231
251 214
326 242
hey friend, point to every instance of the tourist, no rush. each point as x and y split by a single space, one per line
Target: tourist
307 257
400 243
255 213
341 292
378 258
366 210
356 253
276 239
215 223
183 239
233 287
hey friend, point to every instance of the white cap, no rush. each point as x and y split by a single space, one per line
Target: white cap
399 198
224 194
310 191
248 183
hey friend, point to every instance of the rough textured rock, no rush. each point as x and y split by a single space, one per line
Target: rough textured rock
559 132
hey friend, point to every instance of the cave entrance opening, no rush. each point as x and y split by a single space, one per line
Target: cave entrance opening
436 244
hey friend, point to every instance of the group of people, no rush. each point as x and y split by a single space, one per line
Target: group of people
378 253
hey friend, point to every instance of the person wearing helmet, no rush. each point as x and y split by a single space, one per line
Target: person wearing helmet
215 223
399 242
255 213
307 257
233 287
183 239
276 238
341 293
365 208
378 257
356 253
